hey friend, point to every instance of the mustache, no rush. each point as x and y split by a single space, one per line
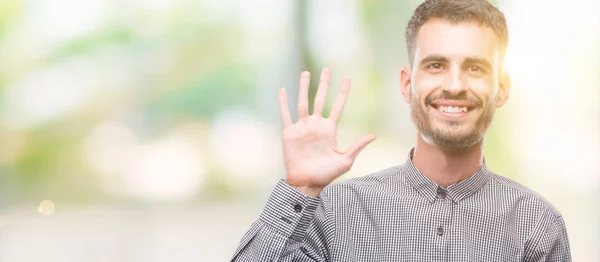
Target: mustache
463 96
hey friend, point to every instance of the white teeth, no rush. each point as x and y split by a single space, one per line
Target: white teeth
453 109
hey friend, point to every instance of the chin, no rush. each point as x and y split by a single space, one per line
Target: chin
453 129
456 138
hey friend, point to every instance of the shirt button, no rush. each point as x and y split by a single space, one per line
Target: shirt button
441 192
440 231
298 208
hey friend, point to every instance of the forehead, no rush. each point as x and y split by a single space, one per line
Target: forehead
457 40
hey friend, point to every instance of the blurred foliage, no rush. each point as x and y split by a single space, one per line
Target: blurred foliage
204 76
207 96
9 11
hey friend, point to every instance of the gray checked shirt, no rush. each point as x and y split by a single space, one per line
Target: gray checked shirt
398 214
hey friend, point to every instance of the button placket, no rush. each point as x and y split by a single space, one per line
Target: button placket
446 211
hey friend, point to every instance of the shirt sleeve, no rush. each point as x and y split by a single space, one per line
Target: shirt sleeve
292 227
552 243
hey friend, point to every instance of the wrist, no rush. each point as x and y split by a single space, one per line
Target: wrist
307 190
310 191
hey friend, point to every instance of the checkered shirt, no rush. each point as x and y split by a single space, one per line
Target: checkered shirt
398 214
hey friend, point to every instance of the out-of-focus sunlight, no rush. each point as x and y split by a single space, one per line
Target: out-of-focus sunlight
553 60
46 207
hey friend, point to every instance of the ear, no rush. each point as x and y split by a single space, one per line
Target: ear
503 90
405 83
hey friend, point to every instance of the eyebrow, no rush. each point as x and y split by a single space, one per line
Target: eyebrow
433 58
442 59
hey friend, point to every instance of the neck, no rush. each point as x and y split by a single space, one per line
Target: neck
445 166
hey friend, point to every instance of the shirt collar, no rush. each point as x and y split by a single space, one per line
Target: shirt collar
455 192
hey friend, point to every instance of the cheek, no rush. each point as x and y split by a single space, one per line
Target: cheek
483 88
426 81
424 84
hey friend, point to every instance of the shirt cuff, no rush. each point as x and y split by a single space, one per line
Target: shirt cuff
289 211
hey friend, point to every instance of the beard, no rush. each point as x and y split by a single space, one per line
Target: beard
453 135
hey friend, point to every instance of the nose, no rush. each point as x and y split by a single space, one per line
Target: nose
456 83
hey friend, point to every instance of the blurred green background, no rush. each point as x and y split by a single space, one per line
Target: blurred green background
149 130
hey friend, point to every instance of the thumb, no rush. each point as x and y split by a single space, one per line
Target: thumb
359 145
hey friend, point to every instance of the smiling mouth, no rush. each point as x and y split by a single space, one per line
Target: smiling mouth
453 109
453 112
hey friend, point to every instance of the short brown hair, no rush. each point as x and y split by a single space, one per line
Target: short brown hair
456 11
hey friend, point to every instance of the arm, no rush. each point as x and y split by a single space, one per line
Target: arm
285 232
550 243
295 224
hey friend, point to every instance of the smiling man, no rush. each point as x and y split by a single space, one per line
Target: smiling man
442 203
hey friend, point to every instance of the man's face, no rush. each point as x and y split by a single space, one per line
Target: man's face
454 82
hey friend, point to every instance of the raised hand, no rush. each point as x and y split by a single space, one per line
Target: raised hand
310 152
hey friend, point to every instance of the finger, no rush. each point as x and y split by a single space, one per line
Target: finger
284 109
359 145
321 96
303 95
340 101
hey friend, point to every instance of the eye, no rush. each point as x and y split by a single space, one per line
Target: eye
435 66
475 69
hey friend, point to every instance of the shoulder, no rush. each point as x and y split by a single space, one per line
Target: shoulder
364 184
522 196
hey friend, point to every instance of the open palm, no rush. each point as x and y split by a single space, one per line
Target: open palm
311 155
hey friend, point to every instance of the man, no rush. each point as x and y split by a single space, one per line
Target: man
442 203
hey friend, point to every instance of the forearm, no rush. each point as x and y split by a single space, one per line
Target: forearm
280 231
